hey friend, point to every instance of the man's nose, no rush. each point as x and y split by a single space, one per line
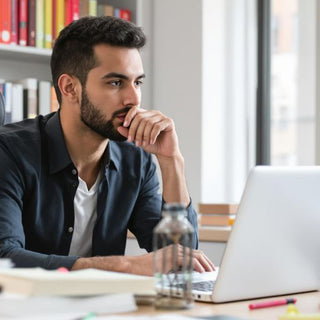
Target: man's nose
132 96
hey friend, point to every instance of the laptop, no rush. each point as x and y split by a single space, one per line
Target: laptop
274 246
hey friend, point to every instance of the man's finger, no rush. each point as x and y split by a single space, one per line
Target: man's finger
130 115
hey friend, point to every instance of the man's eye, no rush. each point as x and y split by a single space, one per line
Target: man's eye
115 83
139 83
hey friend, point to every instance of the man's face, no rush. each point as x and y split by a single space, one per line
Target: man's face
112 88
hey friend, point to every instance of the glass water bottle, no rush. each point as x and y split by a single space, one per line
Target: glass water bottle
172 244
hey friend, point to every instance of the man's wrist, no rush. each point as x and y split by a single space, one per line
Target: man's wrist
111 263
173 161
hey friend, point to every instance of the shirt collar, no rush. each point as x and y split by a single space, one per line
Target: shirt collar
113 155
58 154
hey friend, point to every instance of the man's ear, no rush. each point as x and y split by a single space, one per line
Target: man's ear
70 88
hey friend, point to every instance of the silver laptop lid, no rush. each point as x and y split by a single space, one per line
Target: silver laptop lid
274 247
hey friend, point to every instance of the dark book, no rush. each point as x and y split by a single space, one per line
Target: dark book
32 23
23 17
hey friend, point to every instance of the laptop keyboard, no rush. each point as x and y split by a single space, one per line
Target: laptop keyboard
200 286
203 285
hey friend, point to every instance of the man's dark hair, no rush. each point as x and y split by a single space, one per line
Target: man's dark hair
73 50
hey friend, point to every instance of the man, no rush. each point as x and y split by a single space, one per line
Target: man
71 185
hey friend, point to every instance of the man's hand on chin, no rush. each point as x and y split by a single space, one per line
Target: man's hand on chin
151 130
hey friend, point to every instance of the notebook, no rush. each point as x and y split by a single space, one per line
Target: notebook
274 246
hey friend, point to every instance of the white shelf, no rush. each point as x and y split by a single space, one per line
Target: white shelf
27 54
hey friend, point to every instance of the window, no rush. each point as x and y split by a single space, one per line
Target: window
291 94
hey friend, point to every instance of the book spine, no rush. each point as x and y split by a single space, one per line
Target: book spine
39 23
125 14
17 102
1 26
108 10
75 10
31 23
100 10
44 93
30 95
60 11
54 21
7 94
219 234
5 27
84 8
68 12
93 7
217 208
116 12
14 22
23 15
48 24
215 220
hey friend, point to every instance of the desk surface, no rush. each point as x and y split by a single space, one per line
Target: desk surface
306 303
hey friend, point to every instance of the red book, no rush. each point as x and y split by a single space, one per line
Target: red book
75 9
31 23
5 22
1 26
23 16
125 14
68 12
14 21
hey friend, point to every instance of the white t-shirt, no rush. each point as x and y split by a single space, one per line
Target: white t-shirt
85 216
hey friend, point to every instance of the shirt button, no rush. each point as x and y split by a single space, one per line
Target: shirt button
74 172
74 185
70 229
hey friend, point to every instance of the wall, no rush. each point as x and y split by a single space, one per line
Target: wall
177 49
204 78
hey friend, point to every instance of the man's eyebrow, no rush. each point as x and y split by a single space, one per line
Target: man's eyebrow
120 76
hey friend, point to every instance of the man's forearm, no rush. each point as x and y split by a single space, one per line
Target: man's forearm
111 263
142 265
173 180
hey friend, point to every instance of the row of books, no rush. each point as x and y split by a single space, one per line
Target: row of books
37 23
216 214
27 98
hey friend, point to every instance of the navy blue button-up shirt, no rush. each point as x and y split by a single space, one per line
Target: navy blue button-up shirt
38 182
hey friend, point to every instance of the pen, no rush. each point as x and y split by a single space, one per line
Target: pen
271 303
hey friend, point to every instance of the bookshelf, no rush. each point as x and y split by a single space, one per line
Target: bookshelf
18 62
30 54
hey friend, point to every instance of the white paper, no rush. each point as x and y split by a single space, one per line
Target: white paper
169 316
75 307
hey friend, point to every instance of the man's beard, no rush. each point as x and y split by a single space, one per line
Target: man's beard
95 120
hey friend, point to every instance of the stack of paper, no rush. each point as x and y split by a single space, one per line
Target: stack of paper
37 281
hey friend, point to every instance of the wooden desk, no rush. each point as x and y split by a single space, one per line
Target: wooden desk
306 303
